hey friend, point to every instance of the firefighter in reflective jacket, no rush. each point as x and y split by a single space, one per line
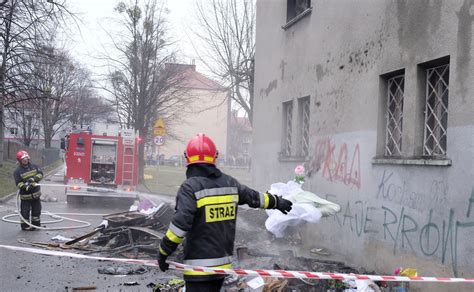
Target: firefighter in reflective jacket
27 176
205 214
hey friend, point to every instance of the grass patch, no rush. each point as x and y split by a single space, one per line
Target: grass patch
7 183
165 180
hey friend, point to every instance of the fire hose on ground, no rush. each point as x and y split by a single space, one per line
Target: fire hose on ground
57 217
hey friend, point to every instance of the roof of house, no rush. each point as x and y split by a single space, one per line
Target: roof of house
193 79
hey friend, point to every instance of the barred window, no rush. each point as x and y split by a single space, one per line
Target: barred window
287 128
304 120
393 136
436 111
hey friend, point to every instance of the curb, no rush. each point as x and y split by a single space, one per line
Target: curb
9 196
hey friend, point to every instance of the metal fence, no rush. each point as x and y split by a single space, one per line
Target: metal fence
40 157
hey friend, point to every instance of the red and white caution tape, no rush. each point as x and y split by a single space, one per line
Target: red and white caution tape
241 272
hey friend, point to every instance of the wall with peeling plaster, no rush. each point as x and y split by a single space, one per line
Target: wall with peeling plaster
391 215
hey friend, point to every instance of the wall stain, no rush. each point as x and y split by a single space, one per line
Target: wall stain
418 21
320 72
272 85
463 60
282 69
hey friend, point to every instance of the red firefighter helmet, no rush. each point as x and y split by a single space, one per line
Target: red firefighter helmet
20 155
201 149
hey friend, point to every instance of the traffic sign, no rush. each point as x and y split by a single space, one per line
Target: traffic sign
159 140
159 132
159 128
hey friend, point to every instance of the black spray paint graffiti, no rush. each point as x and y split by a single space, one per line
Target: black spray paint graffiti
399 193
432 238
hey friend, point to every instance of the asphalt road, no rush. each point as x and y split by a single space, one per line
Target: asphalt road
30 272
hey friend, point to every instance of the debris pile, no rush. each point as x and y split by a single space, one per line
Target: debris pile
129 233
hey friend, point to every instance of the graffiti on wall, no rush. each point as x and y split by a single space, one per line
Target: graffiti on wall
435 196
338 163
433 236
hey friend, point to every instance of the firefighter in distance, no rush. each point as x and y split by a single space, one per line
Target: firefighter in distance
205 215
27 176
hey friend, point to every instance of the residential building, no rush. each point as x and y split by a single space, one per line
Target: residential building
376 99
25 127
206 112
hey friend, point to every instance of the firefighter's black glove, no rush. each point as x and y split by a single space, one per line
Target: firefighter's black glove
162 262
283 205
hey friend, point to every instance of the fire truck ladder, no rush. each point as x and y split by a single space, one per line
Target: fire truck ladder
128 165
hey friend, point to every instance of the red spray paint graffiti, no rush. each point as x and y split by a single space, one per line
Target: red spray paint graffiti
336 164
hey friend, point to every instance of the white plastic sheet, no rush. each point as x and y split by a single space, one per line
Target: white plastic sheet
307 207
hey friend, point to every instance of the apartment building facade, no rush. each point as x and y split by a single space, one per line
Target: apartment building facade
376 99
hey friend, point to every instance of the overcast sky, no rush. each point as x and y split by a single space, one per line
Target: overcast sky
96 19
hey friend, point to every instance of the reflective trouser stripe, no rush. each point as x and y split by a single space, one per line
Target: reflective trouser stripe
209 262
173 237
194 273
176 230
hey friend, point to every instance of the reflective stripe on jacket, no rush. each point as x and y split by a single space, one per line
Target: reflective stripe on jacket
23 173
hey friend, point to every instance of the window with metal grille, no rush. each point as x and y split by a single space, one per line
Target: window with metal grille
393 135
288 128
304 116
436 111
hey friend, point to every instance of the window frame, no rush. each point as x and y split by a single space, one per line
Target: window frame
287 133
396 117
304 122
291 16
415 96
436 107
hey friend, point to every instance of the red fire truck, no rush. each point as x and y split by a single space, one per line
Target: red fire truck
100 164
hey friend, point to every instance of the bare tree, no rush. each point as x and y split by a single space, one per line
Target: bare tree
226 34
87 107
54 83
21 22
143 85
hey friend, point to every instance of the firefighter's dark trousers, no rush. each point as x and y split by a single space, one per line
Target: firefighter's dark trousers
33 206
208 286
